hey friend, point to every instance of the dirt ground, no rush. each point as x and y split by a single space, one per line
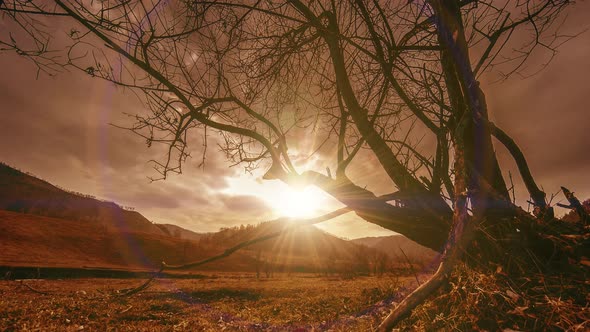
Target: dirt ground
218 302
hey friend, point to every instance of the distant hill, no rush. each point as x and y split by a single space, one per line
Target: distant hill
297 240
179 232
299 248
22 192
391 246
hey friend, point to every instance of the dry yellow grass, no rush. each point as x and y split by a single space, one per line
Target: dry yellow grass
230 302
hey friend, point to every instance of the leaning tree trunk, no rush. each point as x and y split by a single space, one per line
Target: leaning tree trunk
426 227
425 216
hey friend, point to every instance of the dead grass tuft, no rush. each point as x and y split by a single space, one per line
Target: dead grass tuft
476 301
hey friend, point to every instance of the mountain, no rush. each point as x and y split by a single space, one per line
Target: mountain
22 192
305 240
179 232
391 246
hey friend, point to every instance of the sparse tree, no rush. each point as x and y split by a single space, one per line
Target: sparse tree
258 262
379 77
269 267
361 260
380 262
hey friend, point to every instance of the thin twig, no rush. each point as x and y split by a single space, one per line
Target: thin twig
22 282
411 266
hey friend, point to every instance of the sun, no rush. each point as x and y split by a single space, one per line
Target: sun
298 203
294 200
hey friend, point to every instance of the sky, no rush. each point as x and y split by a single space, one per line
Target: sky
58 129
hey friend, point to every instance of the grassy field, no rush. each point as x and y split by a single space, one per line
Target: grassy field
218 302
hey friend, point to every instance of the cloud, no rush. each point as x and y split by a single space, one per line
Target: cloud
245 204
66 139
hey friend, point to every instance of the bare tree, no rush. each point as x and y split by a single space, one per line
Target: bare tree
379 76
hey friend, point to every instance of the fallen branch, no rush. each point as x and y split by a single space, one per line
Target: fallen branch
22 282
135 290
227 252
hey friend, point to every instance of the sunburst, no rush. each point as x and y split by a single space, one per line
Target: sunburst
298 202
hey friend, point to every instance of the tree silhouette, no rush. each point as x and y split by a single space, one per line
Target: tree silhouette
381 77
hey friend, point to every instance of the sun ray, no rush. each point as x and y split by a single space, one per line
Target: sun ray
298 203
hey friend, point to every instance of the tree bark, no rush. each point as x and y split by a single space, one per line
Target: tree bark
468 101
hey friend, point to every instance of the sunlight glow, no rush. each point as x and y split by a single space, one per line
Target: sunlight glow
283 200
293 203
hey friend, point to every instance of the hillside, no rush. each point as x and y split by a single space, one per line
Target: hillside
179 232
391 246
29 240
300 248
21 192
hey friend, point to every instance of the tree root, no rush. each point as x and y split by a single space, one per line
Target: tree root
414 299
462 231
455 249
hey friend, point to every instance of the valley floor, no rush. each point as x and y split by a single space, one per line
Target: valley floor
224 301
